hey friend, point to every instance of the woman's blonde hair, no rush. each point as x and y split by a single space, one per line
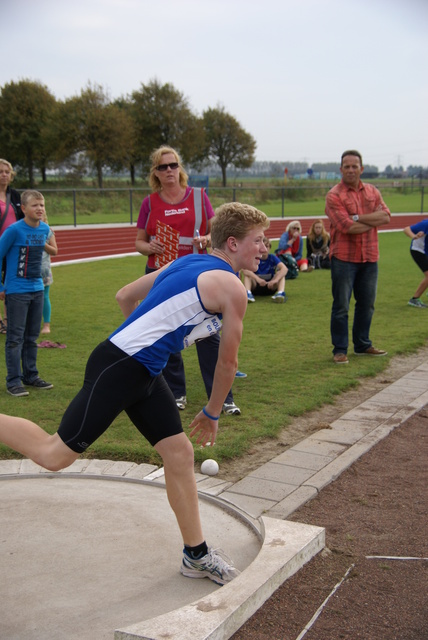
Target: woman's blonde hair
156 160
7 163
294 223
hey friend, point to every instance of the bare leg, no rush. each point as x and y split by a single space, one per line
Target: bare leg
30 440
422 287
281 286
177 456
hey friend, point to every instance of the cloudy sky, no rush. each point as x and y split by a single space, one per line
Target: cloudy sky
307 78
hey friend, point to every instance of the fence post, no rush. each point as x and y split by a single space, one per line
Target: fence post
234 195
282 201
130 204
74 208
422 199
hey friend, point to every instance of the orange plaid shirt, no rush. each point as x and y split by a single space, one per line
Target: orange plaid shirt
343 202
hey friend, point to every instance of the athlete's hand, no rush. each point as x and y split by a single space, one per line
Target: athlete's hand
204 429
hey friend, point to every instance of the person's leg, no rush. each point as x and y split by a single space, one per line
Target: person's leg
112 379
177 456
156 416
32 331
281 286
17 305
423 286
342 281
175 376
31 441
365 288
207 350
47 310
248 283
422 261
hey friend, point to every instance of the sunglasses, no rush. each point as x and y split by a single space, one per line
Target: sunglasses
164 167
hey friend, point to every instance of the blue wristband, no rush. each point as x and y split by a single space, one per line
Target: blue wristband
205 412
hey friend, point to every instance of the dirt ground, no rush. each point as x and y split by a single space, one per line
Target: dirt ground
379 508
303 426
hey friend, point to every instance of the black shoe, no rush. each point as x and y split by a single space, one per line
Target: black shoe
18 391
38 383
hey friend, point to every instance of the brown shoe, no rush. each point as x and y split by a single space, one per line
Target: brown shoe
340 358
372 351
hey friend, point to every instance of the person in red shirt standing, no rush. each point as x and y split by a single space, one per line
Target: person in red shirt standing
355 210
188 214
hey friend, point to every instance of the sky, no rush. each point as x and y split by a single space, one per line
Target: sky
306 78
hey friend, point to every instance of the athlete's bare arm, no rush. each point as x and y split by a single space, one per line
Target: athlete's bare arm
130 295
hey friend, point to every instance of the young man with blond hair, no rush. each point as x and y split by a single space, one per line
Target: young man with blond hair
184 301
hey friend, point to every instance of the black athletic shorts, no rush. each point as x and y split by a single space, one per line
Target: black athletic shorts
115 382
421 259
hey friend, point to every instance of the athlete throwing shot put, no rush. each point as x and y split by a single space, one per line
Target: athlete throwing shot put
187 300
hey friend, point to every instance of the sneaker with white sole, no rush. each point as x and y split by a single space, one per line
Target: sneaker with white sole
415 302
18 391
181 402
230 409
240 374
250 297
279 297
38 383
215 565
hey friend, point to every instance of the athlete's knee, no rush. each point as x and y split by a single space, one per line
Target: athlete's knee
56 455
176 452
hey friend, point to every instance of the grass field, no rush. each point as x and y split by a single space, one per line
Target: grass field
285 351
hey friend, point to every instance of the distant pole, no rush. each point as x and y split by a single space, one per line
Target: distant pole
74 208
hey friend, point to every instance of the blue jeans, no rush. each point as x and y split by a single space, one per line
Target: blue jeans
24 317
359 278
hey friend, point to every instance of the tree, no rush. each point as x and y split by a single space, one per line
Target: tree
133 154
90 123
226 141
162 115
27 110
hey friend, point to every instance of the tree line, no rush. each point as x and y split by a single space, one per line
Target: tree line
39 132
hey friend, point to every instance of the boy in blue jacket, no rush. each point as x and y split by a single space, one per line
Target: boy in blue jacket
22 246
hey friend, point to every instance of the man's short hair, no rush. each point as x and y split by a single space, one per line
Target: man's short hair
234 219
29 194
351 152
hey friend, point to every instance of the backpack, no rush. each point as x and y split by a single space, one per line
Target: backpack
290 263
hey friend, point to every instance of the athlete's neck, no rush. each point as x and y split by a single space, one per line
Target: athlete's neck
219 253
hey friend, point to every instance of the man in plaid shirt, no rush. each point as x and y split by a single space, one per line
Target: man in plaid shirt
355 210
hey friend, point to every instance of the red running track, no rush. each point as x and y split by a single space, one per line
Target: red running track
101 242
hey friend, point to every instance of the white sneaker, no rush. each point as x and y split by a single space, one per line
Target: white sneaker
215 565
181 402
230 409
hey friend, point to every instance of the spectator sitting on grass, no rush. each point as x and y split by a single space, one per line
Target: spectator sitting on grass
269 277
291 242
318 246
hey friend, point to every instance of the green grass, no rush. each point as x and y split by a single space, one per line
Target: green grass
285 351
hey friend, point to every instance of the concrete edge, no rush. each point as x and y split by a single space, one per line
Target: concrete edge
287 546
